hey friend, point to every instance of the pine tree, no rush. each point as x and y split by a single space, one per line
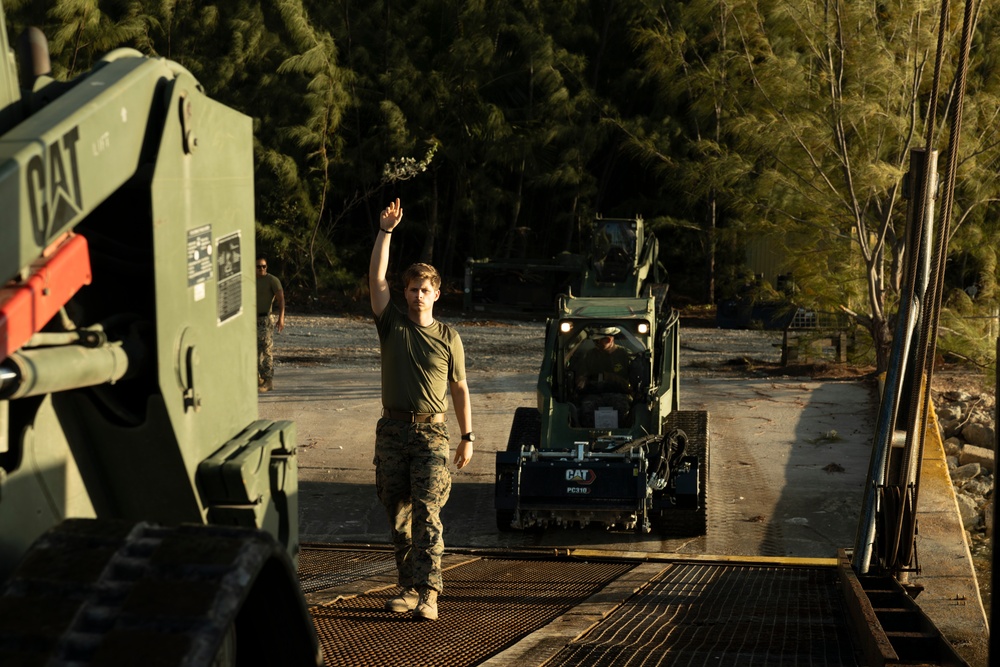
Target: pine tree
830 111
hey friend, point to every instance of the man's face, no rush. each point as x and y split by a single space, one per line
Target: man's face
420 296
261 267
605 344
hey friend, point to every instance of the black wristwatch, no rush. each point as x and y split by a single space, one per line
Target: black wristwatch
469 437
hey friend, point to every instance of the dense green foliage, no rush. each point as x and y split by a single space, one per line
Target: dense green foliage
505 126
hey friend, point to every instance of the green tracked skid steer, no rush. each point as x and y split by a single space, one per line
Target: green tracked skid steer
635 463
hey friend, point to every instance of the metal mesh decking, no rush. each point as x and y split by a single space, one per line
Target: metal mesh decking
732 615
321 568
527 610
487 605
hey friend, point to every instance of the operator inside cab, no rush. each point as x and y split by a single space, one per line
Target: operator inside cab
602 380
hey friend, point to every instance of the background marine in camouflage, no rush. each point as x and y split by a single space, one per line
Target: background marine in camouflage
270 298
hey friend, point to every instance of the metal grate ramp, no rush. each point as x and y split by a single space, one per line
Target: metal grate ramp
487 605
321 568
723 614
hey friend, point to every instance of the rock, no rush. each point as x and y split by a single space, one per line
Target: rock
952 446
966 471
952 462
957 396
980 415
948 428
977 487
949 413
968 511
979 435
973 454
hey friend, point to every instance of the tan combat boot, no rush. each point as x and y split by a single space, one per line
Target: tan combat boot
427 608
404 602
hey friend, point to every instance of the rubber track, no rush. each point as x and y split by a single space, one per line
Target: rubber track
695 424
119 593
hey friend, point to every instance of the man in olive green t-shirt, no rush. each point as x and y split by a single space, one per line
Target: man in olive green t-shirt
270 297
422 362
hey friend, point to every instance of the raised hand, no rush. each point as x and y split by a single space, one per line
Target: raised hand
391 216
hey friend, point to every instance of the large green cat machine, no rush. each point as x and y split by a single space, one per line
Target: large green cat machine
145 510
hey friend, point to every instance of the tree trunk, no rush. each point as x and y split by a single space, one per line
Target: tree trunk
712 240
515 215
427 252
882 339
453 229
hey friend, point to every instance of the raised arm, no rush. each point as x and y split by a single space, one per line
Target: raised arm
378 286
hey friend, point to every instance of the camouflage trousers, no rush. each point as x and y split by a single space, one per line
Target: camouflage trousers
413 483
265 349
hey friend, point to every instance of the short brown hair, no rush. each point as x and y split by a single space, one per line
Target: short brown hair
421 272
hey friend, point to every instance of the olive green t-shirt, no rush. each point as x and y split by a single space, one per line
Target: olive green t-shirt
267 287
418 363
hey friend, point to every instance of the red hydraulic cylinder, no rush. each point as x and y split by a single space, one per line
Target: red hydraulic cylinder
27 306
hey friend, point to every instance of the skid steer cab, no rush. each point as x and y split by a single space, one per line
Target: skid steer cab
607 443
623 260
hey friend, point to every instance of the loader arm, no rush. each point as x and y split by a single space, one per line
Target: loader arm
59 164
